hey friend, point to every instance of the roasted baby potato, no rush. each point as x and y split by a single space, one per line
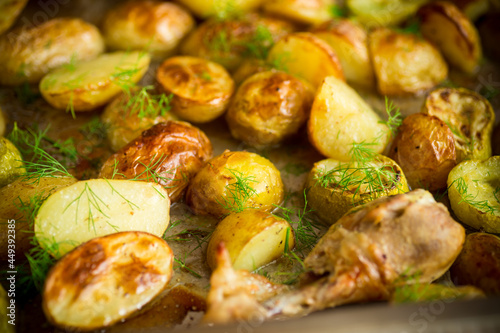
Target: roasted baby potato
420 292
28 54
252 237
201 89
86 86
18 201
424 147
11 162
375 13
306 56
230 41
339 118
128 115
106 280
154 26
10 10
453 33
469 116
349 41
234 181
98 207
219 8
474 192
334 187
302 11
404 63
169 154
269 107
479 264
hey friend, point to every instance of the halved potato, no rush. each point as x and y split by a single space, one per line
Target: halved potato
453 33
479 263
339 118
128 115
87 85
349 40
11 162
304 55
153 26
424 147
404 63
169 154
10 10
252 237
474 192
334 187
302 11
106 280
30 53
219 8
234 181
469 116
98 207
375 13
269 107
201 89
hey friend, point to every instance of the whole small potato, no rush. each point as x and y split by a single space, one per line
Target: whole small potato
128 115
252 237
425 149
168 153
201 89
155 26
404 63
269 107
479 263
11 162
234 181
10 10
28 54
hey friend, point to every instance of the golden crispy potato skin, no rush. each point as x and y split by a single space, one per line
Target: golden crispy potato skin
451 31
201 89
172 151
425 149
28 54
268 107
147 25
302 11
209 191
404 63
479 263
106 280
10 10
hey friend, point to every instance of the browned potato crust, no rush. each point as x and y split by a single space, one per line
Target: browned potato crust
404 63
106 280
28 54
451 31
269 107
10 9
168 153
147 25
425 149
479 263
302 11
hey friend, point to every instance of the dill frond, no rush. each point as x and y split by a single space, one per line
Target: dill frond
481 205
238 193
394 118
259 44
337 11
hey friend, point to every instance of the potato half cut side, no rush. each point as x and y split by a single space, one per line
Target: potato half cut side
469 116
474 192
98 207
453 33
106 279
88 85
306 56
253 238
339 118
201 89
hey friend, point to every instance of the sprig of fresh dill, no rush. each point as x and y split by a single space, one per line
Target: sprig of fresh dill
238 192
143 104
482 205
259 44
394 118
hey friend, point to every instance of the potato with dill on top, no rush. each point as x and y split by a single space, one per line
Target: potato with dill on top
201 89
269 107
169 153
404 63
28 54
425 149
155 26
234 181
106 280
